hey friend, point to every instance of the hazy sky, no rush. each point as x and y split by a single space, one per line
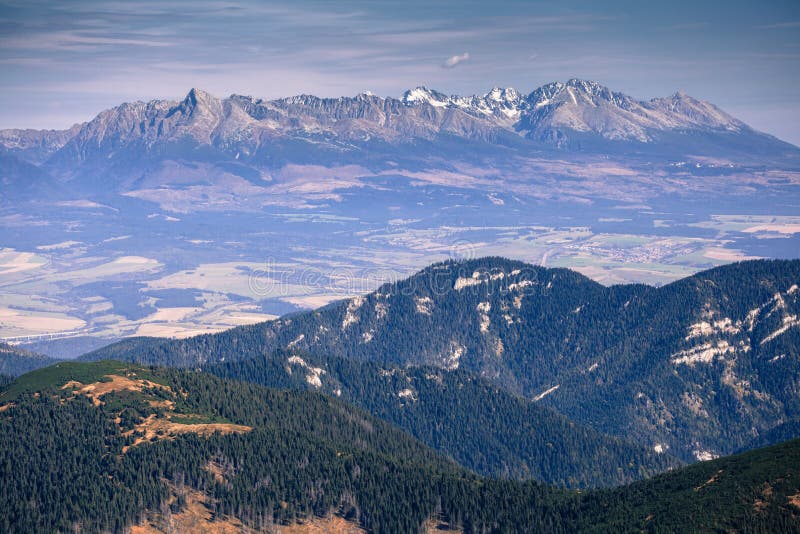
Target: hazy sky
63 61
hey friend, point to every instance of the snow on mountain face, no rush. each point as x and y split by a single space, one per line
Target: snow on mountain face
555 114
499 103
423 95
589 107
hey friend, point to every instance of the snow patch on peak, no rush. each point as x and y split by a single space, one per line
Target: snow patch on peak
297 340
483 314
705 353
703 455
314 374
500 94
407 394
350 316
424 305
545 393
423 95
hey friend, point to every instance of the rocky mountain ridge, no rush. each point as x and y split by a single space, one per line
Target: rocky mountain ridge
554 115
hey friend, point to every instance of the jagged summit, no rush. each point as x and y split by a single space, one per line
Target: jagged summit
422 94
197 97
503 94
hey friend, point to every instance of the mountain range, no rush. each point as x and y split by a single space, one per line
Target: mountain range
698 368
246 131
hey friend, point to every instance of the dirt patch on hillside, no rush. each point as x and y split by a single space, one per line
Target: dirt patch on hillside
710 481
762 502
166 404
5 407
433 526
195 517
217 471
116 383
794 500
153 427
221 469
327 525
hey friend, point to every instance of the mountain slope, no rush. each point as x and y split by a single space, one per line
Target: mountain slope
15 361
755 491
242 456
479 425
114 440
698 367
23 181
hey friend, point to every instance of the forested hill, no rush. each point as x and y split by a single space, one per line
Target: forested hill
15 361
103 446
757 491
699 367
98 445
480 425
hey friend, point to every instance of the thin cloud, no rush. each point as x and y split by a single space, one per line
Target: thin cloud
69 40
686 26
454 61
781 25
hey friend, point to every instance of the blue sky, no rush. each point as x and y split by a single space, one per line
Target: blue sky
63 61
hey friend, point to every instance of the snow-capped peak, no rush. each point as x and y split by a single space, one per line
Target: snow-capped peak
500 94
423 95
587 86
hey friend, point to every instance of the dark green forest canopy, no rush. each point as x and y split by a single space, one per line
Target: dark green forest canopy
480 425
15 361
698 368
62 465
